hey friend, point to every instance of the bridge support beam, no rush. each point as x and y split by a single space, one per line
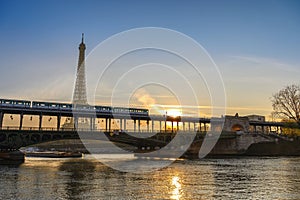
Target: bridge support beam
172 126
109 124
159 126
1 119
58 122
40 121
134 125
21 121
152 124
165 125
121 125
148 128
91 123
183 126
106 125
125 124
139 126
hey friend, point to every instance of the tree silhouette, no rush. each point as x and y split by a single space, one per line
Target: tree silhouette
286 103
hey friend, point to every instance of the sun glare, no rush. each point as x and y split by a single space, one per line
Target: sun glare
174 112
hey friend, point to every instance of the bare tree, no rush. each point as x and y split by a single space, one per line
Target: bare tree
286 103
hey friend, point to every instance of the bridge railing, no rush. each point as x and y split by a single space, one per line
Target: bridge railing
54 129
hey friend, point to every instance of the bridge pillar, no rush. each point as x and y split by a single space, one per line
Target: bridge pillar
205 127
109 124
152 124
121 124
134 125
165 125
177 126
91 123
21 121
183 126
148 128
58 122
189 126
106 124
139 125
1 119
159 126
172 126
125 124
40 121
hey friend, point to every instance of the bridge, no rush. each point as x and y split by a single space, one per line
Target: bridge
106 122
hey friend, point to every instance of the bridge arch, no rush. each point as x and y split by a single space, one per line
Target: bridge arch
237 127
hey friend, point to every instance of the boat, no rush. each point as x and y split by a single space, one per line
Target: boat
54 154
15 157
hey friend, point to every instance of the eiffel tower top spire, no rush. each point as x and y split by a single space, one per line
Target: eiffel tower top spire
79 95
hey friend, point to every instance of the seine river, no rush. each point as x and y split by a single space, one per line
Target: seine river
232 178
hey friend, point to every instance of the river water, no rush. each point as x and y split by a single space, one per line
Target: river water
232 178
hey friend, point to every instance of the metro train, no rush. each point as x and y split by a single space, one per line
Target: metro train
68 107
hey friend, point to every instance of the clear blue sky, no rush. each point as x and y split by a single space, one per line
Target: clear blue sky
255 44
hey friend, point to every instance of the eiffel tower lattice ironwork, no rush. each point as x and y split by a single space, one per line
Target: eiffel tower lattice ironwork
80 95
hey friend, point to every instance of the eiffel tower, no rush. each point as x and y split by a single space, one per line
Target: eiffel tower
79 95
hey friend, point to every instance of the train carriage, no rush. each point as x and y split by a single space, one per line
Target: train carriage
15 103
69 107
104 109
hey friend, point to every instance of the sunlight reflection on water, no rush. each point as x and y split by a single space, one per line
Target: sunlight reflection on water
233 178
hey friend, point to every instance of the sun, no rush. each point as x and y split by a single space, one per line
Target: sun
174 112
